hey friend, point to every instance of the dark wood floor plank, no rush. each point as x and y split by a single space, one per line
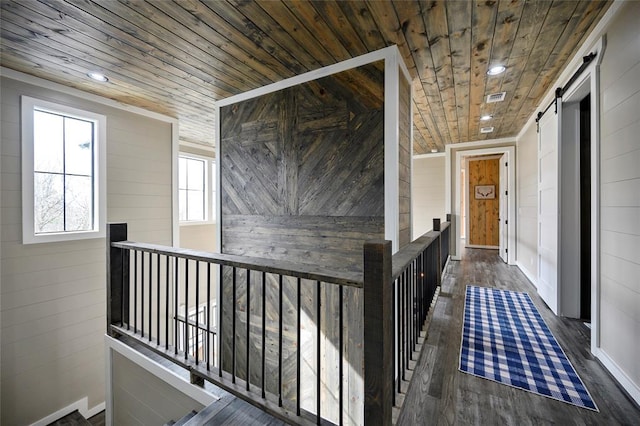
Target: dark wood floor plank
440 394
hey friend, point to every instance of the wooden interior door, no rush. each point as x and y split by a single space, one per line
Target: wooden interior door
484 185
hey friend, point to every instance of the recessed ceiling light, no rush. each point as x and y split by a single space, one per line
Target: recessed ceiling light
497 69
486 117
486 129
434 150
94 75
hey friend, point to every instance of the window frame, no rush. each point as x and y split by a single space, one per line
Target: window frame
209 212
99 190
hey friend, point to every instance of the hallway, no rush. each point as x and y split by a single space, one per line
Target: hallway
440 394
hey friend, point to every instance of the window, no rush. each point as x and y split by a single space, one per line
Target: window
192 184
213 190
196 329
63 163
196 188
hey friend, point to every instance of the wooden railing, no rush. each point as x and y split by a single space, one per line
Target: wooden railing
167 299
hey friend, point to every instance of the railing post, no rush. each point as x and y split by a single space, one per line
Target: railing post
378 335
437 228
117 277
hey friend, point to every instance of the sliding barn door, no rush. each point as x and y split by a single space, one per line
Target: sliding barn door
548 208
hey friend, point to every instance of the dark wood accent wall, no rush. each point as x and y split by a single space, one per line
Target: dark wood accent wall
484 214
302 172
302 179
404 163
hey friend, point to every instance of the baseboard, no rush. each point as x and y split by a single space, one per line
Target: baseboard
527 274
82 406
632 389
482 247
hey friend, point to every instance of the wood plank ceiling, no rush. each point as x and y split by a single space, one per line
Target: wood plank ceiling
179 57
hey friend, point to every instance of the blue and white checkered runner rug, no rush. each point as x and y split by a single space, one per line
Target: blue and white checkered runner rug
505 339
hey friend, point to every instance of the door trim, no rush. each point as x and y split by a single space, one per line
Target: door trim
510 152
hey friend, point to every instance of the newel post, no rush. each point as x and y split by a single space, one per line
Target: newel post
117 277
437 227
378 335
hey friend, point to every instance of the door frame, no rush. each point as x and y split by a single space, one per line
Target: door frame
467 200
510 152
503 210
589 82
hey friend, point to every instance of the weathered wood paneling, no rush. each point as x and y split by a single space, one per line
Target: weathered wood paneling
404 163
484 213
178 57
302 173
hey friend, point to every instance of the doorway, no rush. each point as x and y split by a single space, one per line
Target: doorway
575 220
457 193
585 208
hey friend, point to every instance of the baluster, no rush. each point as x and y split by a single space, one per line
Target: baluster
220 313
248 336
197 325
166 304
208 344
135 291
318 364
405 339
298 353
150 294
125 287
158 299
398 321
233 324
280 285
264 325
341 350
412 325
141 294
175 301
186 308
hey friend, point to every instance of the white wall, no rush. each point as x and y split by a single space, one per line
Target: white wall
142 398
198 237
427 193
53 294
620 194
527 202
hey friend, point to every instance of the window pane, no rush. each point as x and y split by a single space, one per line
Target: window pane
78 138
47 142
182 173
78 204
182 204
48 202
196 205
195 172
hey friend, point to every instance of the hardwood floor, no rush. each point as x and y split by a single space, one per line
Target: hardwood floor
442 395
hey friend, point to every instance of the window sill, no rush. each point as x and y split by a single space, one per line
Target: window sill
197 223
62 237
